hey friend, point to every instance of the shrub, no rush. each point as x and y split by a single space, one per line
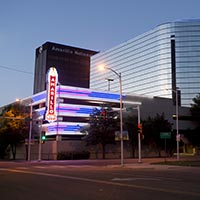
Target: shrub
73 155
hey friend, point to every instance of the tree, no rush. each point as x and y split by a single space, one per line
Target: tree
14 128
195 108
193 135
152 127
102 128
131 123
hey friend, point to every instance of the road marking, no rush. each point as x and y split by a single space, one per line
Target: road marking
61 167
22 168
4 169
40 167
78 166
105 182
135 179
58 166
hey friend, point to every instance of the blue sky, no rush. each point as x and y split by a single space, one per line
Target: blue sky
92 24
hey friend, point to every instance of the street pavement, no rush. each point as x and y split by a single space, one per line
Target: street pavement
98 179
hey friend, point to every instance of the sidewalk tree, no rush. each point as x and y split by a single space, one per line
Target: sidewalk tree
193 135
152 127
102 127
14 128
131 124
195 108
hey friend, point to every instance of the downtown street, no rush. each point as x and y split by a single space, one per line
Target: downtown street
97 179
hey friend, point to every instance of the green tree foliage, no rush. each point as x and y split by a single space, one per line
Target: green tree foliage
193 135
152 127
13 127
195 108
103 125
131 126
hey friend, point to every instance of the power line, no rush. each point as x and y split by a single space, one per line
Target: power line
16 70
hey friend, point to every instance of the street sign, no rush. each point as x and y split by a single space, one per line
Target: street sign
118 137
165 135
178 138
32 141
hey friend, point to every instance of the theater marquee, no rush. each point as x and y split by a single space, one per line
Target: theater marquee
52 79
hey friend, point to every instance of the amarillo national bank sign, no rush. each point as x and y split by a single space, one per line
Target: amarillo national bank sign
52 80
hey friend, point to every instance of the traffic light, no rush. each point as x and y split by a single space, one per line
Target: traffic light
103 113
140 131
43 137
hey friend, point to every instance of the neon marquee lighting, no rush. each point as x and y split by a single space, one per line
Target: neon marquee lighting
72 110
87 94
65 128
39 97
78 109
79 93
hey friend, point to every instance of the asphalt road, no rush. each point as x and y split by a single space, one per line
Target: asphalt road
83 181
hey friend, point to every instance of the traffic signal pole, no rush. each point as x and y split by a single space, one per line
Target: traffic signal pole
30 131
40 141
139 137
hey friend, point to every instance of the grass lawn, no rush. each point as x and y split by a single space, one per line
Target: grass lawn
190 163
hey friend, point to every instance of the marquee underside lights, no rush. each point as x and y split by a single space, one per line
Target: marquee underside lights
52 79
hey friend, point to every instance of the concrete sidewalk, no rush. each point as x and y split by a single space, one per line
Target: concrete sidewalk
110 163
154 162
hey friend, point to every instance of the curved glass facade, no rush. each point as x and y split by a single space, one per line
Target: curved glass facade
145 63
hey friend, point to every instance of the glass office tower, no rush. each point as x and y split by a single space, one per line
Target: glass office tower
156 63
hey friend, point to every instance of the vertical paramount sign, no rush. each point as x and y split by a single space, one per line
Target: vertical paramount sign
52 79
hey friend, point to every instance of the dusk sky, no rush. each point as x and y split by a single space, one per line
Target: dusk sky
91 24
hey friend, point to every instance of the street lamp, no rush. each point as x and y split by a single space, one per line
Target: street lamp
109 80
177 125
30 131
58 138
139 135
121 120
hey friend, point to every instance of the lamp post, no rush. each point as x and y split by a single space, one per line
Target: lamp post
58 137
30 131
40 141
109 80
177 125
139 137
121 120
58 110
